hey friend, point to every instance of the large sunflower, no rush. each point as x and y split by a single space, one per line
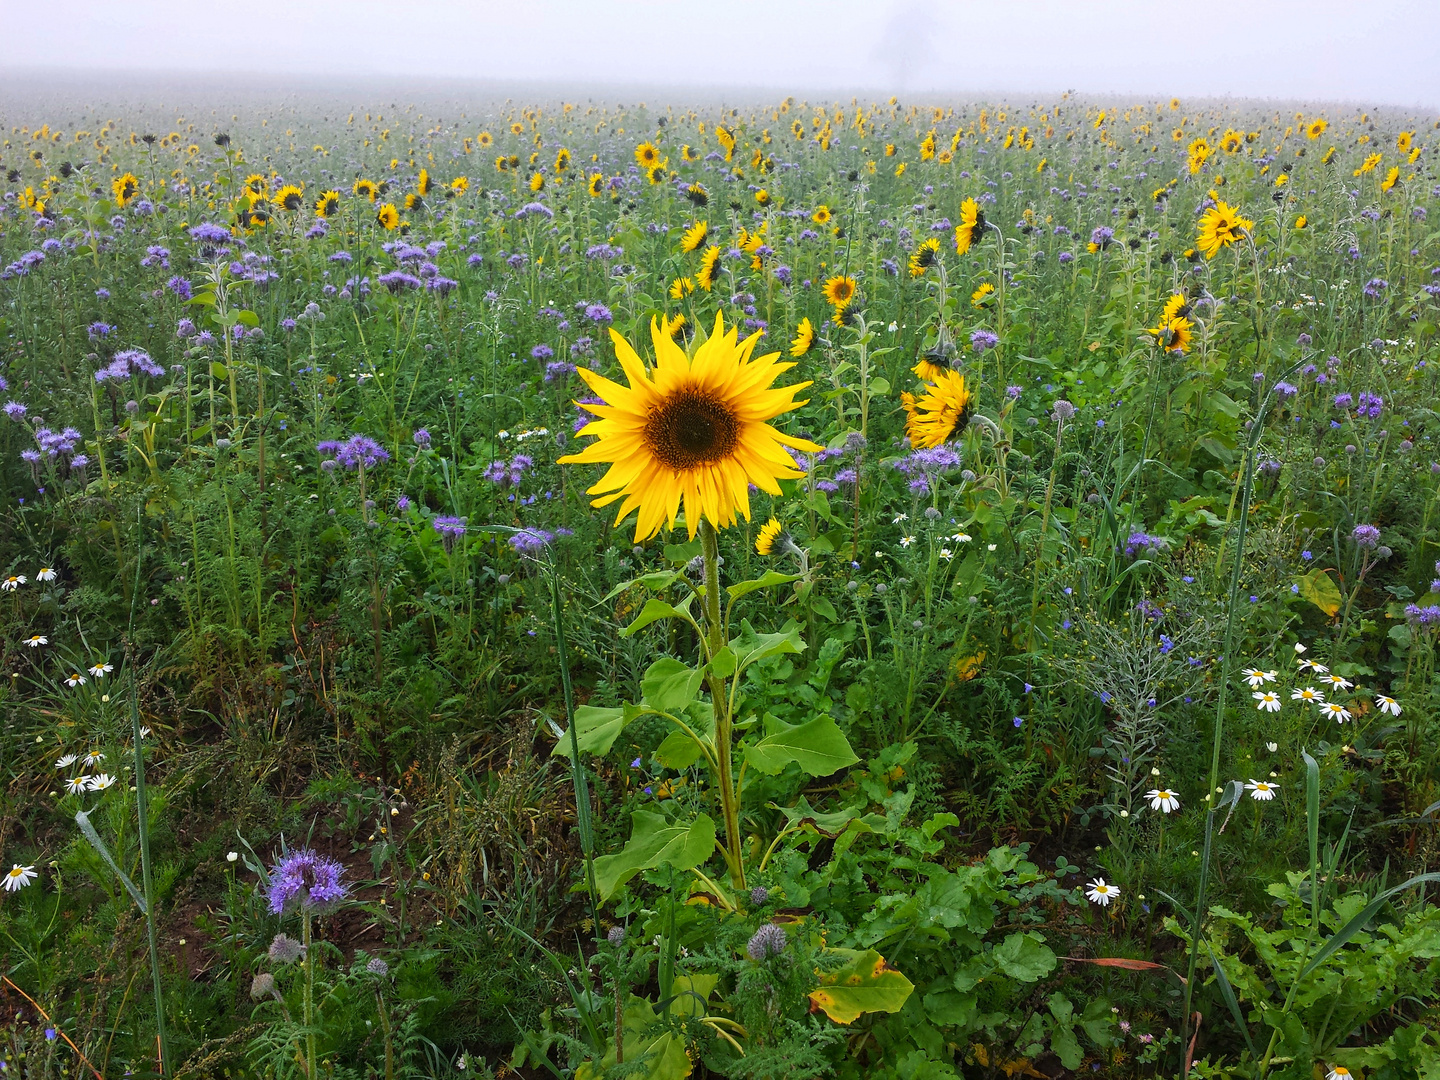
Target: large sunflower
387 216
1316 127
940 413
328 203
596 183
840 290
971 228
694 236
648 155
709 270
1173 335
691 432
290 197
1221 226
124 188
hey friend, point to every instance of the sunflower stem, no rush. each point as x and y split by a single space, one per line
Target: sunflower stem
715 641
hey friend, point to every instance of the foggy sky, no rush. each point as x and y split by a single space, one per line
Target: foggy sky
1373 53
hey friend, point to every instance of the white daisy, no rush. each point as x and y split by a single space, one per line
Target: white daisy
76 784
101 669
100 781
1269 700
1257 678
13 582
1335 709
946 553
66 761
1100 893
18 877
1338 1072
1337 680
1272 746
45 573
1309 694
1299 648
906 541
1164 800
961 538
1311 665
35 640
899 518
1387 705
1262 790
75 679
93 758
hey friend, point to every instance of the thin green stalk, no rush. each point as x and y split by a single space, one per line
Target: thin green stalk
715 635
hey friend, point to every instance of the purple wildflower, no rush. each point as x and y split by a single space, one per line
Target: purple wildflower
307 881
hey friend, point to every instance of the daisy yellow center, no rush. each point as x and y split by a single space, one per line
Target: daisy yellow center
16 872
691 429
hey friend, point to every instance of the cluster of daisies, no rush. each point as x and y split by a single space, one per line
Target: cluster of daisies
1269 700
82 779
14 581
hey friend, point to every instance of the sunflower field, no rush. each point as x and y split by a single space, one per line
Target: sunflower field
813 589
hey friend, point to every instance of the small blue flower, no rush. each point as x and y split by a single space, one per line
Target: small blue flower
635 764
1295 588
1028 688
1189 580
1306 555
1018 721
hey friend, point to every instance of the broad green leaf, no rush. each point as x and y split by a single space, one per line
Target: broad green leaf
833 824
865 984
655 841
1024 957
658 580
677 751
654 610
658 1052
595 729
219 370
1062 1032
1320 590
723 662
669 685
690 994
247 319
818 746
1354 926
750 647
765 581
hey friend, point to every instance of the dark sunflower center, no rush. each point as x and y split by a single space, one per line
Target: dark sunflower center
691 430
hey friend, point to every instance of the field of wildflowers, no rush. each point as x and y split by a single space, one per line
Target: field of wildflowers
816 589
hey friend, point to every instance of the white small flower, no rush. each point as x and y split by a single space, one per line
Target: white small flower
1299 648
1100 893
1387 705
961 538
76 784
93 758
13 582
1257 678
100 781
66 761
1338 1072
1262 790
1311 665
946 553
232 856
899 518
906 541
18 877
101 669
1309 694
1272 746
1336 680
1268 701
991 547
45 573
75 679
1335 709
35 640
1164 800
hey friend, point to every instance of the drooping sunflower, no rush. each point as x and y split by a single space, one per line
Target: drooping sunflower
328 204
676 326
1301 222
1221 226
769 538
982 294
387 216
124 188
697 194
537 181
840 291
647 155
256 185
694 236
414 201
709 270
689 153
940 413
290 197
681 287
422 183
971 228
1316 127
822 215
657 174
691 433
1172 334
1328 156
924 257
1391 178
596 184
365 189
804 338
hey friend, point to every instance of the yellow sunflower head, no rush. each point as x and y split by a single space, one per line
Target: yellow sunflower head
647 155
940 413
460 185
1220 226
822 215
840 291
422 183
256 185
1173 335
803 340
484 140
365 189
537 181
971 228
387 216
709 270
692 433
290 197
1316 127
697 194
124 188
596 184
762 197
327 204
924 257
1301 222
694 236
681 287
982 294
414 201
771 538
1392 178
